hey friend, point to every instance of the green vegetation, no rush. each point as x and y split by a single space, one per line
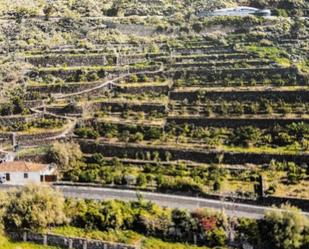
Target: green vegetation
276 54
133 87
129 221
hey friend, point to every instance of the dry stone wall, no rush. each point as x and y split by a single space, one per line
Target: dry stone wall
234 122
129 150
69 242
287 96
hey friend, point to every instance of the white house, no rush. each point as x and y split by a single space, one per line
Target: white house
237 11
21 172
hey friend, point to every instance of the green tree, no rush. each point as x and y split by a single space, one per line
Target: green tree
141 180
34 207
66 155
284 228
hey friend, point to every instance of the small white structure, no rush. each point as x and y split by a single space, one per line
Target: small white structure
21 172
238 11
8 157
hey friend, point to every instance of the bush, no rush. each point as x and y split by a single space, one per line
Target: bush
283 228
87 133
246 136
34 207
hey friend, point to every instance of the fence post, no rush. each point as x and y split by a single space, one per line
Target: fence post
70 244
85 244
25 236
45 240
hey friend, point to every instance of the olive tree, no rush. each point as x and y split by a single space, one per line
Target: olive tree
66 155
284 228
33 207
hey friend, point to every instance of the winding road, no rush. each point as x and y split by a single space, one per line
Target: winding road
166 200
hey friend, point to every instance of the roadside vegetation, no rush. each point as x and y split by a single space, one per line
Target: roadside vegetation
127 222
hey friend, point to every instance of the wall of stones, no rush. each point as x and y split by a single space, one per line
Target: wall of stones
125 106
68 74
142 89
85 59
31 139
205 50
63 88
17 119
68 242
33 103
76 60
214 57
129 150
234 122
289 75
129 29
287 96
214 64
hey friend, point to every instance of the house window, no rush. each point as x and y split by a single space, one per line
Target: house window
7 177
25 175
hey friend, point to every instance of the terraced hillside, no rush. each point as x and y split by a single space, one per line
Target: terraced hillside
161 100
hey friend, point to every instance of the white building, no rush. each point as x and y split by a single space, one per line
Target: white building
237 11
20 173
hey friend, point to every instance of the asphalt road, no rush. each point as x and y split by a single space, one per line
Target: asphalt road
172 201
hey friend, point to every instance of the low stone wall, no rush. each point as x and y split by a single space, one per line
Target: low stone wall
220 56
17 119
234 122
66 88
62 110
32 139
76 60
124 106
129 150
122 125
205 50
85 59
143 89
289 75
203 64
129 29
69 242
70 74
287 96
33 103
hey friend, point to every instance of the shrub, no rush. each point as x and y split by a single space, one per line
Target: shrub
283 228
246 135
34 208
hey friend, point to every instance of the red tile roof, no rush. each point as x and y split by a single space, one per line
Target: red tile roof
21 166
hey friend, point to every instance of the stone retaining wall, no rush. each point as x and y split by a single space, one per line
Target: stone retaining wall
289 75
69 242
143 89
251 95
76 60
17 119
214 57
75 73
129 29
234 122
218 64
66 88
125 106
204 50
86 59
130 150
